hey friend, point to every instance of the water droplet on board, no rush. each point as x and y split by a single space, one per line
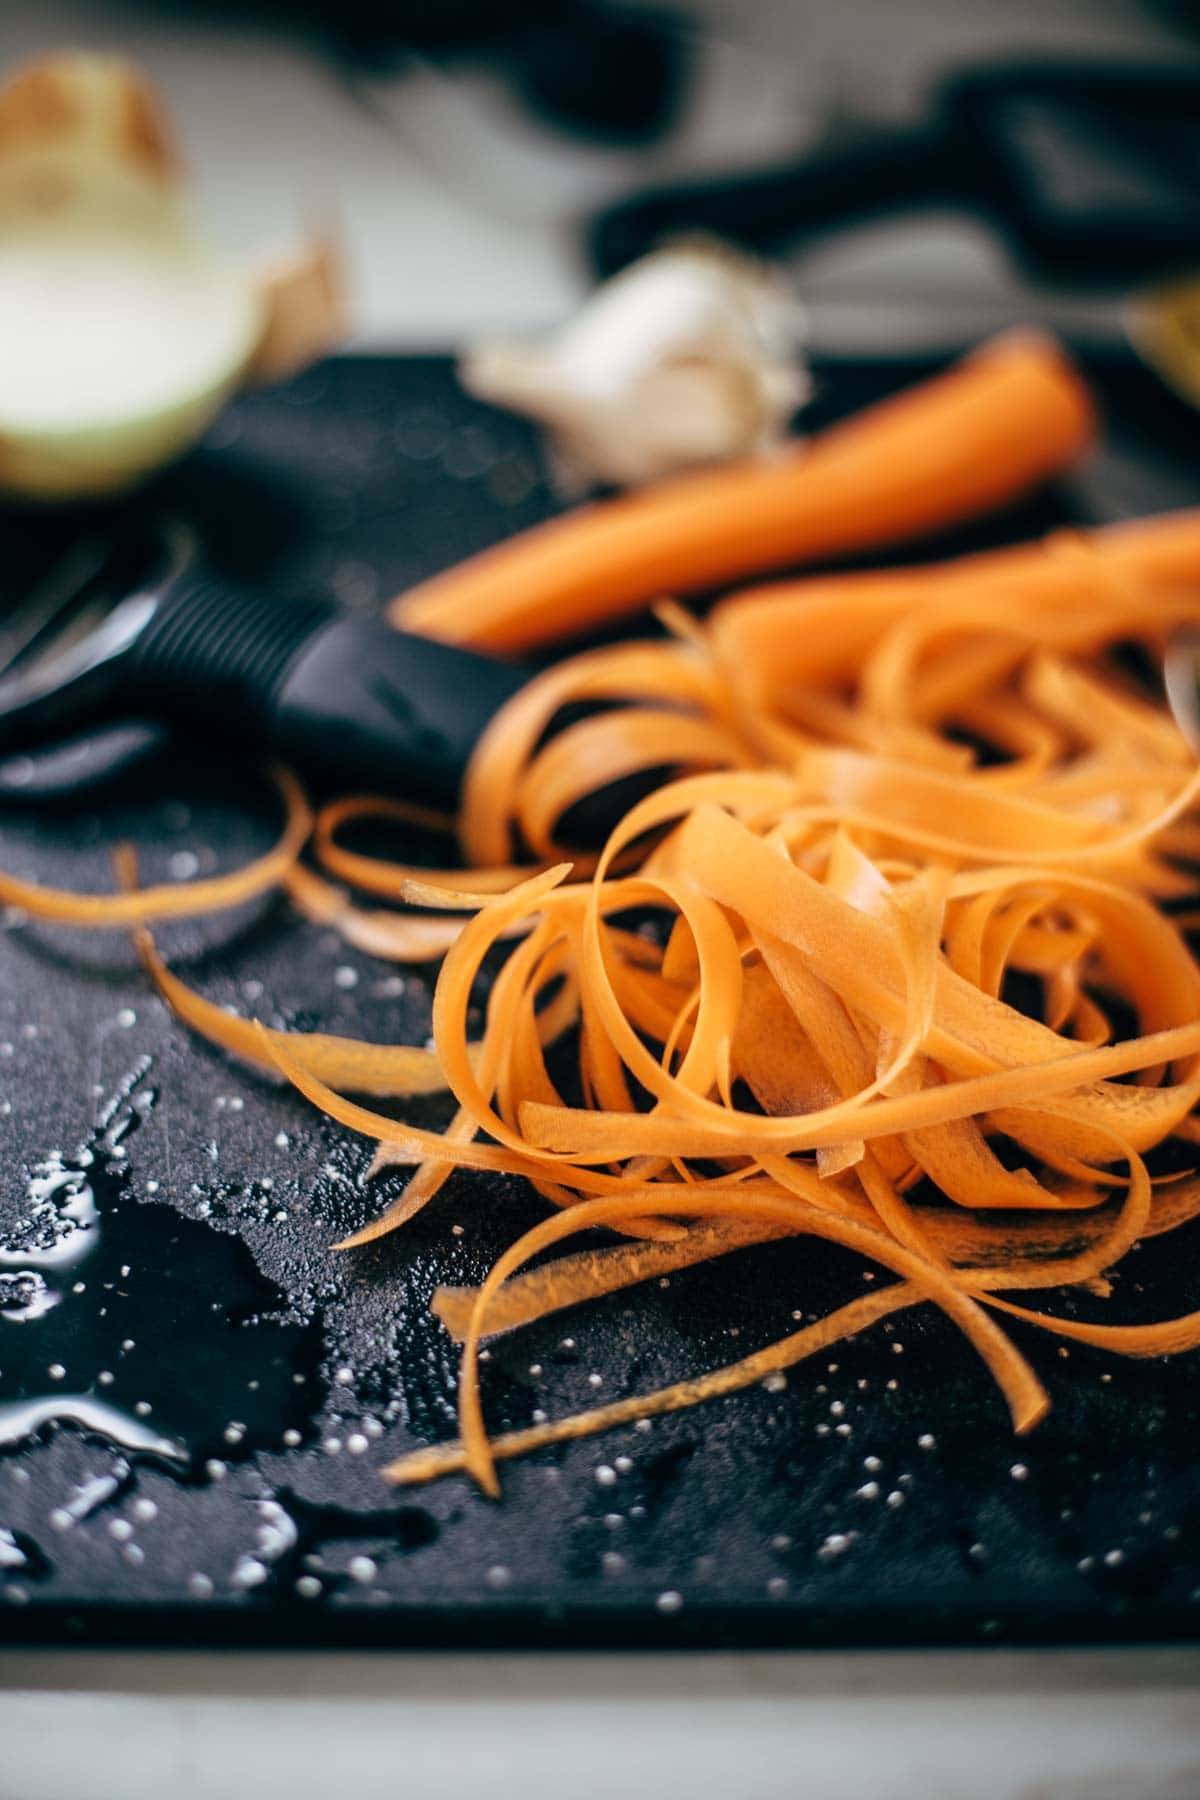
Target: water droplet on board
25 1295
141 1327
289 1531
250 1572
20 1555
11 1554
90 1496
275 1534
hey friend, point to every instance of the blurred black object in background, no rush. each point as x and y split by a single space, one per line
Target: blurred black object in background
597 71
1091 173
588 67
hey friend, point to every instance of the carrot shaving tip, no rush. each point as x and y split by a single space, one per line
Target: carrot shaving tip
897 960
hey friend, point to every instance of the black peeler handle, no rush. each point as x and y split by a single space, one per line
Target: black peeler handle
348 700
154 640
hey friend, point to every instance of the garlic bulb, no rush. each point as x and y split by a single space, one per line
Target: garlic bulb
121 331
690 356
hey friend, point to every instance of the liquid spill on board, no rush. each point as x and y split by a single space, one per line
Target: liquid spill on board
877 1496
148 1330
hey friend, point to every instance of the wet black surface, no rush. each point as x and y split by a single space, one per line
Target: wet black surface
878 1496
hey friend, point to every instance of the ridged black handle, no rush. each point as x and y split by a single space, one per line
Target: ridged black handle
214 651
347 700
378 709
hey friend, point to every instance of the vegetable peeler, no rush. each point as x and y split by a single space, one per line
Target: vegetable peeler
137 639
137 636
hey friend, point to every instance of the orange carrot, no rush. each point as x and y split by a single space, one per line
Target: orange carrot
1065 574
994 426
174 900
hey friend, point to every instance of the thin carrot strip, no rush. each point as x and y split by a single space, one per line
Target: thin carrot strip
374 874
454 1458
383 1069
590 1274
182 900
569 1130
1026 1398
398 937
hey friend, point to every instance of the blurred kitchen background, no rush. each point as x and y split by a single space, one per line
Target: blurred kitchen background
462 151
461 148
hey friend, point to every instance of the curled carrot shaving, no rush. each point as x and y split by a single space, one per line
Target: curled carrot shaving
179 900
398 1070
395 937
389 879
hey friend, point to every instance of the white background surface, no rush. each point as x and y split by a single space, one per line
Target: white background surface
984 1726
436 256
453 208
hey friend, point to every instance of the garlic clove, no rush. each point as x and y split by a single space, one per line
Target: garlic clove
691 356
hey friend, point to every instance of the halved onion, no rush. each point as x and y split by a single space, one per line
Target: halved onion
122 332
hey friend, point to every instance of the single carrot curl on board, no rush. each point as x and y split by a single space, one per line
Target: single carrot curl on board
788 978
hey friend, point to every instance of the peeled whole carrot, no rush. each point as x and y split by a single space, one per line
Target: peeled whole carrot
998 423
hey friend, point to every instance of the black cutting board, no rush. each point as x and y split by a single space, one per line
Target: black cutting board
878 1497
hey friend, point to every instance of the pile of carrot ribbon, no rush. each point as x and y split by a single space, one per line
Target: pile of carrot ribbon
897 802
